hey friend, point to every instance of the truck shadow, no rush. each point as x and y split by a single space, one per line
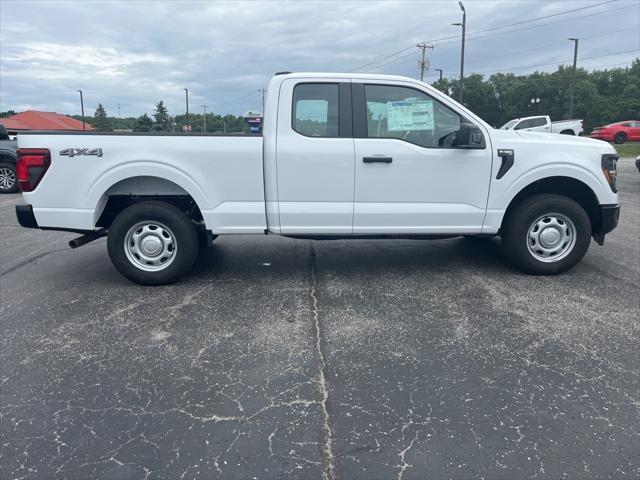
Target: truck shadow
248 257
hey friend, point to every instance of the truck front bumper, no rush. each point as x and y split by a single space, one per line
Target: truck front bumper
609 215
25 215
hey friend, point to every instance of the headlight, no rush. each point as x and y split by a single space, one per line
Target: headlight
610 169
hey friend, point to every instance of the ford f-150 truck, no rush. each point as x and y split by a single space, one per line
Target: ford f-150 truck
341 156
543 123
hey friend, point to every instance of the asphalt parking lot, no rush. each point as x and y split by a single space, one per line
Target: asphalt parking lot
282 358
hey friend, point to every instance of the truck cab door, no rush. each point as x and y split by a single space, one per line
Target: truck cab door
411 178
315 157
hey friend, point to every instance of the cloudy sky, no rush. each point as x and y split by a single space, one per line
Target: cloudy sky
134 53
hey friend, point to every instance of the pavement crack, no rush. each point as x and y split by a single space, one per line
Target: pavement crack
29 260
326 446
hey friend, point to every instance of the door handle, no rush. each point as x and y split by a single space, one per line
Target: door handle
377 159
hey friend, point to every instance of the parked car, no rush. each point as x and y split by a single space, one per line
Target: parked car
542 123
638 163
8 157
619 132
341 156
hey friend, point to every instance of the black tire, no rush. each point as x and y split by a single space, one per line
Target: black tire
567 132
183 239
8 178
515 233
620 138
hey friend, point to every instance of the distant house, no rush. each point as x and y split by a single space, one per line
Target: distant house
34 120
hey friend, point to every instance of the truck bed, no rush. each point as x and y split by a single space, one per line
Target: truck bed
223 173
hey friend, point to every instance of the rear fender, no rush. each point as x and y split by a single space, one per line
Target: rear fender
96 194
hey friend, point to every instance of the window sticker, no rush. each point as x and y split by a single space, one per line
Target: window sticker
410 115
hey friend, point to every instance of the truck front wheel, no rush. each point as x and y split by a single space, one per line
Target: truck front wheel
546 234
152 243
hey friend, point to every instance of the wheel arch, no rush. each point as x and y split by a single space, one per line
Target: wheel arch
569 187
122 191
7 156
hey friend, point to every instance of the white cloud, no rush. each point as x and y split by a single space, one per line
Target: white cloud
135 53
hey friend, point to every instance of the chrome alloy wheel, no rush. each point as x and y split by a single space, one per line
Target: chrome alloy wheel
150 246
551 238
7 178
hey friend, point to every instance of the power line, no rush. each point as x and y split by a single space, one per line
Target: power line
236 99
381 58
578 74
545 64
545 17
456 37
548 45
538 26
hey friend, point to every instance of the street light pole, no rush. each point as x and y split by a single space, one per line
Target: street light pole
82 110
573 76
464 28
439 70
204 118
186 93
118 123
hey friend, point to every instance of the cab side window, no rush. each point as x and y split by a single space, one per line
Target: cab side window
315 109
538 122
411 115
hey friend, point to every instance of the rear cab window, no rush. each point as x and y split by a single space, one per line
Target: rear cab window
316 109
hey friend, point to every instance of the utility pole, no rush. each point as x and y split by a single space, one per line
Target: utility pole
204 118
263 92
82 110
118 122
186 93
573 76
464 28
439 70
424 63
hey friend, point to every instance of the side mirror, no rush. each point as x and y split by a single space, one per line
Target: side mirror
470 136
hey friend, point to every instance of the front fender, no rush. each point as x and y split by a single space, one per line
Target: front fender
502 194
597 184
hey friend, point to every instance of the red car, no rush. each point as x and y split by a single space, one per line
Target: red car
620 132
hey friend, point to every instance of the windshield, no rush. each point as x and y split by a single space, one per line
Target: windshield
509 124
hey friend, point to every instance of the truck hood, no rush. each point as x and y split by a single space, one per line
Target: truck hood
551 139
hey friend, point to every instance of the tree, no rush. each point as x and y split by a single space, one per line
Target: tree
143 123
100 121
161 118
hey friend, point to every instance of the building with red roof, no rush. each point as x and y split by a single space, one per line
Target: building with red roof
34 120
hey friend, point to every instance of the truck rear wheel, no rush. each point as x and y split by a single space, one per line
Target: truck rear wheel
152 243
546 234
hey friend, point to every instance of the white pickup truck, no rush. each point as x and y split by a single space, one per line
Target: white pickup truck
341 156
543 123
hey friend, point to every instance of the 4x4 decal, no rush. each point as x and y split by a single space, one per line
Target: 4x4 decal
74 152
